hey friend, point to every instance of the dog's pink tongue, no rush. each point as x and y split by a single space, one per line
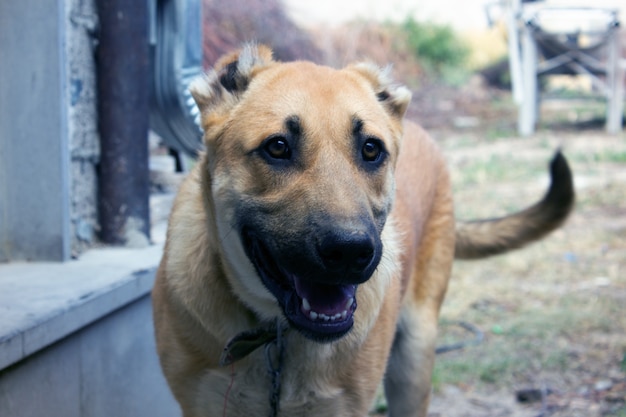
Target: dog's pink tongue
326 299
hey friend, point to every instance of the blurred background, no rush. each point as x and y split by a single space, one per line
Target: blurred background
97 129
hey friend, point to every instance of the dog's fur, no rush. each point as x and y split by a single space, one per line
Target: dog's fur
312 186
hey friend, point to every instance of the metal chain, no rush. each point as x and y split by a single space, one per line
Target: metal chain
275 369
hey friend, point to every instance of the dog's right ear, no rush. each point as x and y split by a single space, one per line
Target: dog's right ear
219 89
394 97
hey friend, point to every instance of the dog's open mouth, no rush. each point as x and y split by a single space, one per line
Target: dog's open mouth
323 312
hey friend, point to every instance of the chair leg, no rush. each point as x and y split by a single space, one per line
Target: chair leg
529 107
615 85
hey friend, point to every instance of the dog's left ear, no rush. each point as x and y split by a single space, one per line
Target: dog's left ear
395 97
220 89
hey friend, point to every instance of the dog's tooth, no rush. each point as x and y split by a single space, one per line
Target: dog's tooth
344 314
325 317
349 303
305 305
313 315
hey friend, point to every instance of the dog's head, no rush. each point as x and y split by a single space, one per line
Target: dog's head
301 164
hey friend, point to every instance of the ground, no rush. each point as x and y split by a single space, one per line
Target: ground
552 315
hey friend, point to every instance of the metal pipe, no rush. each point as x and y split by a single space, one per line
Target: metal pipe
123 72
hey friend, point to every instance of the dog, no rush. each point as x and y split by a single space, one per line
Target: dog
308 251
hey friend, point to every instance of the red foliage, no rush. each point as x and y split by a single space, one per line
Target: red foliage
227 24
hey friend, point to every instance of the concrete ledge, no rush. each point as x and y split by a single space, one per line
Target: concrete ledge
41 303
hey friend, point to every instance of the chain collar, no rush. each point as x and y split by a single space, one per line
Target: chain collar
272 336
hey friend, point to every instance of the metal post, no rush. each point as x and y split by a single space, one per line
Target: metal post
123 67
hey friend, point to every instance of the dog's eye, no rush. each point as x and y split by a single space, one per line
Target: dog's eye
372 150
277 148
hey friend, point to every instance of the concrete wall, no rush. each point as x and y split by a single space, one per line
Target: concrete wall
34 207
108 369
49 141
49 152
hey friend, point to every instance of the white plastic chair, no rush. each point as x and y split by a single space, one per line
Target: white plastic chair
547 40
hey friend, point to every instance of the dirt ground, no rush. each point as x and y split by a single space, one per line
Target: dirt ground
553 315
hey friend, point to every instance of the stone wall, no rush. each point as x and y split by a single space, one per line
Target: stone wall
81 32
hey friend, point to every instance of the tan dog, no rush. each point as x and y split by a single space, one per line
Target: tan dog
315 227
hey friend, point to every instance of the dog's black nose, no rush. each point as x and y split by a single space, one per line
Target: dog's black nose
347 251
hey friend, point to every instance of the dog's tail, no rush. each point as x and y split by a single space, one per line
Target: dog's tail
482 238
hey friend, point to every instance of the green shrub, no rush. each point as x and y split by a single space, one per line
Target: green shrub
437 46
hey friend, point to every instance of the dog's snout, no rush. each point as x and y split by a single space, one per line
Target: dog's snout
347 251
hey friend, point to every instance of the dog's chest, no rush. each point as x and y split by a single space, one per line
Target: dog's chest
245 389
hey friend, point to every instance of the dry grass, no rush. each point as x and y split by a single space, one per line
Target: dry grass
554 314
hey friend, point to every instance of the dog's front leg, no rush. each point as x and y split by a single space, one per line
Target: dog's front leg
409 370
